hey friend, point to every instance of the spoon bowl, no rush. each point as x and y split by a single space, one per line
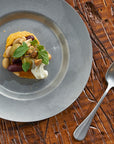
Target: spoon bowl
110 75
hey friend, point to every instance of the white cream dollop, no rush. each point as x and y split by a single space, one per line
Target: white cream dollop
39 72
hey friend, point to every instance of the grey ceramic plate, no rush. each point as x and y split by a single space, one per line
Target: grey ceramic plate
60 29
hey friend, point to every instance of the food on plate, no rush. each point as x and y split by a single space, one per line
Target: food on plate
25 57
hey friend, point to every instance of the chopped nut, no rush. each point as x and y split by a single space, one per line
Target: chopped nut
28 42
19 40
49 55
34 54
31 47
16 73
30 51
37 62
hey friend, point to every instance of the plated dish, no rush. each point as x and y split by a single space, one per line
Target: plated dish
25 56
60 29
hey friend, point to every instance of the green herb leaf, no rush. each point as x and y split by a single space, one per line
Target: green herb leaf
40 47
34 43
42 54
26 66
21 50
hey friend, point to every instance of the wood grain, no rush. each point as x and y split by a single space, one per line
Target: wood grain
98 16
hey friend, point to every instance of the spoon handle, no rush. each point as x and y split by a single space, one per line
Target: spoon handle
81 131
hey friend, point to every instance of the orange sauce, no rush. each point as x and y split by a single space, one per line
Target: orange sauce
26 75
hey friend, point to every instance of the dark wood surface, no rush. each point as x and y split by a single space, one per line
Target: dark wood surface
98 16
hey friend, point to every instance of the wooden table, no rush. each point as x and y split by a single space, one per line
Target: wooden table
98 16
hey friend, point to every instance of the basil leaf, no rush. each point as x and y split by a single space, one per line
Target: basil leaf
26 66
34 43
21 50
42 54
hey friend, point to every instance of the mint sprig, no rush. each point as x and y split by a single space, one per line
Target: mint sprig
21 50
40 47
42 53
34 43
26 66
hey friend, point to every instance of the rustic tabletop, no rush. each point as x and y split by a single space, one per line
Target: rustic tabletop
98 15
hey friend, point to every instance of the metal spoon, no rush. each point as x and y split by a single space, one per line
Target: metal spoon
82 129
